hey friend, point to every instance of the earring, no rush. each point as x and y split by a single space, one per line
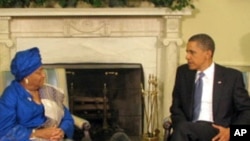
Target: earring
26 81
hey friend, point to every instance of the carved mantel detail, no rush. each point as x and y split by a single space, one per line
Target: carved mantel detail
4 31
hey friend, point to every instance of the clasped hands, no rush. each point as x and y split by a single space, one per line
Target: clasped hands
50 133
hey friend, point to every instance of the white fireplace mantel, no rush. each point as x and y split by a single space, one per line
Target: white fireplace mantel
158 29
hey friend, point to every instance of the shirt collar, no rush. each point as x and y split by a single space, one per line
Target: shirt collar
209 72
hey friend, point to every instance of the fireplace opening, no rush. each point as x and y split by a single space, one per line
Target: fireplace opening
108 96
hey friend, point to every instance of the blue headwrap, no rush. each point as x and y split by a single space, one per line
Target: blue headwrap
25 62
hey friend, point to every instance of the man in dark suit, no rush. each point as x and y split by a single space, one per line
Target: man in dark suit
224 100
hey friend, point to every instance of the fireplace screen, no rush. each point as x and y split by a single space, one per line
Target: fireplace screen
109 96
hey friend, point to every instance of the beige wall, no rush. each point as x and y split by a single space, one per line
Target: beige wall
228 22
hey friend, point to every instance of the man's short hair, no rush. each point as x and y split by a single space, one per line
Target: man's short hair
206 42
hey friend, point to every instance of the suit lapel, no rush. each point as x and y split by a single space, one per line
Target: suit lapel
191 82
190 90
217 87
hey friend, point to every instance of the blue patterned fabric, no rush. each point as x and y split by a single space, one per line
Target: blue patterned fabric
18 114
25 62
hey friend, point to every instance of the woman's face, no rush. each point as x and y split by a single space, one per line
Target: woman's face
37 78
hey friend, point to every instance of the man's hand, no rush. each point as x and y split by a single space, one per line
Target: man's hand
223 135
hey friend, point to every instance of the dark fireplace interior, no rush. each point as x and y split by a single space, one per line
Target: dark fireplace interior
108 96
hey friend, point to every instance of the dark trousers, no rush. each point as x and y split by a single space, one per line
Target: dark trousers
194 131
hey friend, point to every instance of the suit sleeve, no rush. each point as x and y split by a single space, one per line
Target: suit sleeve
177 114
242 102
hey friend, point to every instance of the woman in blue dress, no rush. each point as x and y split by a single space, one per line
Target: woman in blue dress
30 109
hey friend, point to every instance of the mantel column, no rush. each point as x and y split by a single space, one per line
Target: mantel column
5 43
171 42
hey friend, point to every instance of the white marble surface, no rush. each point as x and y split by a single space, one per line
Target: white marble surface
141 50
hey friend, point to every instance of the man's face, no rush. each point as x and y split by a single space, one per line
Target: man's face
197 57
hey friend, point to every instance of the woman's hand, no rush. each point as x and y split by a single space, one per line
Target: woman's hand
51 133
57 135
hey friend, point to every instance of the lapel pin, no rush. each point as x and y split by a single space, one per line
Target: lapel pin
219 82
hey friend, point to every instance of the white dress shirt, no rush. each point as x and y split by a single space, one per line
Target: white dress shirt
206 113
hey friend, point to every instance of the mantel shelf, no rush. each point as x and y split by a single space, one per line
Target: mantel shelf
26 12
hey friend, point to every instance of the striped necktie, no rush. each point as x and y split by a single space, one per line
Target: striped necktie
197 96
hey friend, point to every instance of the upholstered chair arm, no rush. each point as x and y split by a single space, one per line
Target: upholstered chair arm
81 123
167 125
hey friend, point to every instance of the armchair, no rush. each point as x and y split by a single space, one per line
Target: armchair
84 126
81 123
167 125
